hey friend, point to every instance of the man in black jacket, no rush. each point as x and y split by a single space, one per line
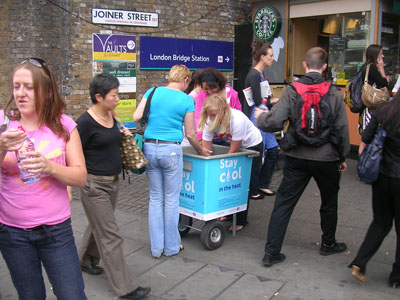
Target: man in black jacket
324 163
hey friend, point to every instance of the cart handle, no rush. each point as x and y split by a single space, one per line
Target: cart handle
253 155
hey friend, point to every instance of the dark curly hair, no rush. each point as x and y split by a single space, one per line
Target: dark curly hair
213 78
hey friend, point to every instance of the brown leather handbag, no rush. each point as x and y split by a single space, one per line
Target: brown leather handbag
132 156
372 97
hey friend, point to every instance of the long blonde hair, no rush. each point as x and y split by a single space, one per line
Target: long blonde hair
223 117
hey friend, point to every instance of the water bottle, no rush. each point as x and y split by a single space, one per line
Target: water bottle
263 105
28 146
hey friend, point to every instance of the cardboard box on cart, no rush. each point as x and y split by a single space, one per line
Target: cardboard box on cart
217 185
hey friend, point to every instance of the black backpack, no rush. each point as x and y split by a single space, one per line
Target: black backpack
352 96
312 118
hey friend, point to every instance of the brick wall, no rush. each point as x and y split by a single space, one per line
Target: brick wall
60 31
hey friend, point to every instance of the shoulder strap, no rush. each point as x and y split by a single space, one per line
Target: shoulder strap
366 73
120 125
146 112
302 88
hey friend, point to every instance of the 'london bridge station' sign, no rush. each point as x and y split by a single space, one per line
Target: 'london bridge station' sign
159 53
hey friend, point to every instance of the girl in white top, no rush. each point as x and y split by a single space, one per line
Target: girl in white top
241 131
217 118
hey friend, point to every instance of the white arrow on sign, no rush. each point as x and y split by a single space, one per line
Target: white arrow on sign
227 59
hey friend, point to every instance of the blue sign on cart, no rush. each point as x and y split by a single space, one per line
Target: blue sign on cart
214 186
158 53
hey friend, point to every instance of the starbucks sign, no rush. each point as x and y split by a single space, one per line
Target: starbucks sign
267 23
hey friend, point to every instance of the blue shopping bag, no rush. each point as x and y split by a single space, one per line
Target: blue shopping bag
369 162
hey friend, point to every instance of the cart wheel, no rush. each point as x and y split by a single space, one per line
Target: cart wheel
212 235
184 222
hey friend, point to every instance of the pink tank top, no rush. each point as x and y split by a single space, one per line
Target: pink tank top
43 202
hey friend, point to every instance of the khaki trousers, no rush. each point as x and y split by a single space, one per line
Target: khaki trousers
102 238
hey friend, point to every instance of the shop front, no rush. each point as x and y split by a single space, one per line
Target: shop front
344 29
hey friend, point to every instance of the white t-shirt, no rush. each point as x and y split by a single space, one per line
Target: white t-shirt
240 129
397 86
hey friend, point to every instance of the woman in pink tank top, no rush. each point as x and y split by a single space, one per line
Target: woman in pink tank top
35 224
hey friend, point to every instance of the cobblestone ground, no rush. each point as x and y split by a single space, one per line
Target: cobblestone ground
133 193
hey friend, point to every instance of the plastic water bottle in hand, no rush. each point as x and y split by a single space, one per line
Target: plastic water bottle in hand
263 105
24 174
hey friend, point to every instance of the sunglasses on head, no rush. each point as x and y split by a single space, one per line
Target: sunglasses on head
37 62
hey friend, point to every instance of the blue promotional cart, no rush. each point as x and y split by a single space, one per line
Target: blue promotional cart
213 187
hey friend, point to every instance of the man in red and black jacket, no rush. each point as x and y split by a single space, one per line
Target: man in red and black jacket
322 162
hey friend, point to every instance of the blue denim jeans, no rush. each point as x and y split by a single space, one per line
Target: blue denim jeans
25 250
164 175
270 159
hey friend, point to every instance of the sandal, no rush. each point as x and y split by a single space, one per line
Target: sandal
238 228
357 273
226 218
257 197
181 248
394 280
267 192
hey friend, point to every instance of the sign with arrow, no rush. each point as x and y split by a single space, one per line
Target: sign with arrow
157 53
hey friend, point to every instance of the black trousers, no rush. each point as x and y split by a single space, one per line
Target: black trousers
296 175
386 208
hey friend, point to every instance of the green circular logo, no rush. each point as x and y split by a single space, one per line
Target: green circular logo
267 23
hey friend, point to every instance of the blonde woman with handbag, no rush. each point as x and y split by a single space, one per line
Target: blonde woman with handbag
170 108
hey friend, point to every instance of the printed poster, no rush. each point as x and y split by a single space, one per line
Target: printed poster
116 54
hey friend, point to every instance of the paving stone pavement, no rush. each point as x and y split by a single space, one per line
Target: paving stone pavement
234 271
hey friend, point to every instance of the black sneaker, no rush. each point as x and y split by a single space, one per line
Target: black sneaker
269 259
92 269
139 293
332 249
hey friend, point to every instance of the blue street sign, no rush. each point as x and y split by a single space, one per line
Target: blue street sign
158 53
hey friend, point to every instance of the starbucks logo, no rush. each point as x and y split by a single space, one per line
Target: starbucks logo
267 23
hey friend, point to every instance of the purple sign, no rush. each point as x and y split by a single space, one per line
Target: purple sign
106 43
158 53
116 55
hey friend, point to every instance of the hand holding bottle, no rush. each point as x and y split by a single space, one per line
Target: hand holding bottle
29 169
263 105
12 140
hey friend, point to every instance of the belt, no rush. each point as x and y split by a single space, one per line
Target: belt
160 142
40 227
109 178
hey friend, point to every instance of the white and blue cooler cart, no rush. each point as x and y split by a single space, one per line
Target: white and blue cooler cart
213 187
